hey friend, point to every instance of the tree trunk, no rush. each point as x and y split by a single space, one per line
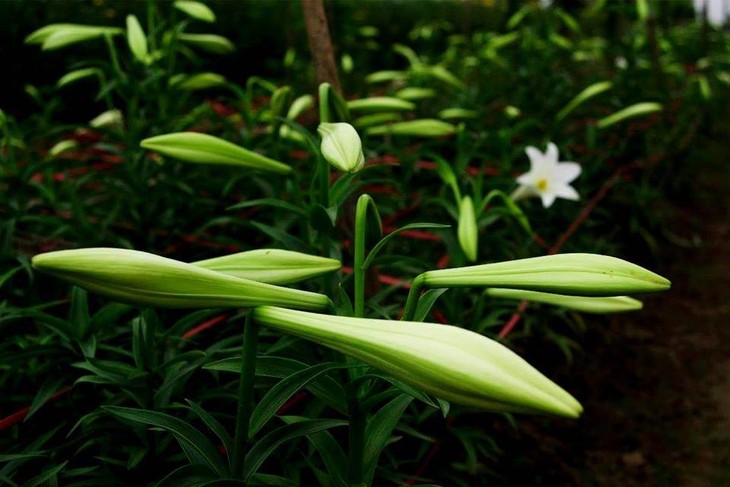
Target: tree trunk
320 43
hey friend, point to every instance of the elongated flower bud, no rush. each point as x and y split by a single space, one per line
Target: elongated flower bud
137 40
572 274
272 266
341 146
380 104
206 149
426 127
447 361
150 280
208 42
604 305
467 231
196 10
55 36
198 81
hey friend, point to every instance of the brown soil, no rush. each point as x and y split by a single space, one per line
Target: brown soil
655 384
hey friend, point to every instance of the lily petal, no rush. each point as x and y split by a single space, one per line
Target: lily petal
547 199
551 154
565 191
567 171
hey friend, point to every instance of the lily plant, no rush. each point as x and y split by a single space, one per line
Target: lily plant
436 364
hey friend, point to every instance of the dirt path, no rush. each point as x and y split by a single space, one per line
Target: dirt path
659 413
655 384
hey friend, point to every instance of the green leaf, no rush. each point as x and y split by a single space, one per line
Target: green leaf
633 111
78 74
426 302
286 239
190 439
285 389
187 476
411 226
585 95
324 388
379 430
511 206
214 425
44 394
333 456
273 202
45 476
285 434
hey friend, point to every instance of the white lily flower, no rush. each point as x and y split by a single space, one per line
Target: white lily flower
548 178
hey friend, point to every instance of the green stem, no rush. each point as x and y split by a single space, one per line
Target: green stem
356 441
358 267
114 57
245 395
413 296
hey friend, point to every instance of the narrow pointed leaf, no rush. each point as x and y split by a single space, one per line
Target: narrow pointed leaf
188 437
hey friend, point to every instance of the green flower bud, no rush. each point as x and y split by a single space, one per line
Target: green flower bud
272 266
206 149
199 81
572 274
447 361
426 127
108 119
376 119
512 111
63 146
612 304
457 114
467 231
382 76
341 146
414 93
380 104
208 42
196 10
137 40
55 36
150 280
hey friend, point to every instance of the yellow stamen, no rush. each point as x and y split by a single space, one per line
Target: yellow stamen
542 184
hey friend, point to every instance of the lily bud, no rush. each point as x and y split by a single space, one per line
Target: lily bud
467 231
341 146
379 104
196 10
572 274
206 149
426 127
413 93
272 266
108 119
199 81
55 36
457 114
137 40
447 361
146 279
208 42
612 304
